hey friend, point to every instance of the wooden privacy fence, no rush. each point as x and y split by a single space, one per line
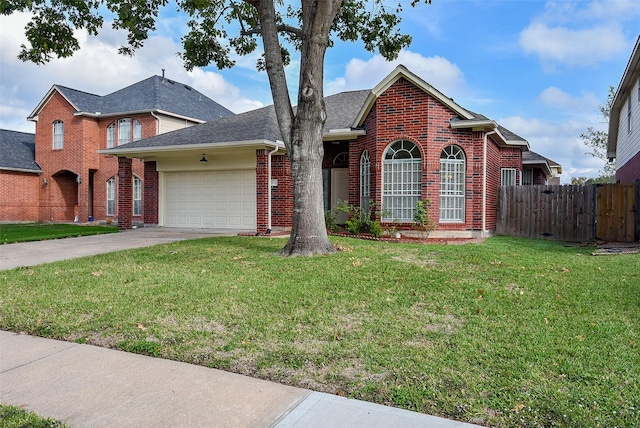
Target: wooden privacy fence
570 213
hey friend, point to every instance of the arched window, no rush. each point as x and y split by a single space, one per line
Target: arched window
341 159
137 130
452 177
365 181
111 135
137 196
402 180
58 134
124 131
111 196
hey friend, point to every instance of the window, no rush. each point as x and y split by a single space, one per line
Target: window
452 177
629 115
124 131
341 159
527 177
508 177
365 181
402 180
58 134
137 130
137 196
111 196
111 135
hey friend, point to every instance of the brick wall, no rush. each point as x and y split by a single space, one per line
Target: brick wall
125 193
630 171
19 196
150 193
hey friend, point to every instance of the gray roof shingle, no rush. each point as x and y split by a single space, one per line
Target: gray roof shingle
154 93
17 151
260 124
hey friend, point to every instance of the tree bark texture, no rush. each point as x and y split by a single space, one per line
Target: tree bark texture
302 132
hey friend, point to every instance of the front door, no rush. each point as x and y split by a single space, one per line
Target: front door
339 190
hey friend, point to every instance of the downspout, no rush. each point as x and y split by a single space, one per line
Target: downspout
157 121
275 149
484 183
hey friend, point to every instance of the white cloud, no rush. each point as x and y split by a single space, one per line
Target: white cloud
559 99
561 46
97 68
437 71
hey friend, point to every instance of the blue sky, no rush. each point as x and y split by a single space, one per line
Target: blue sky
540 68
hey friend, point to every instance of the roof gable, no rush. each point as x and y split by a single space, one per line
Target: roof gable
402 72
153 94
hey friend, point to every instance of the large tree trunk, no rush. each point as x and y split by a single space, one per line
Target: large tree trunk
302 133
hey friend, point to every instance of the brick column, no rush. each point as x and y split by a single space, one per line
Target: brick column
262 190
151 193
125 193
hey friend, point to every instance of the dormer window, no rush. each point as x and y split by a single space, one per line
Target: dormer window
58 135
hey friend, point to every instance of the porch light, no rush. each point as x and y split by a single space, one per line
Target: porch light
204 158
78 180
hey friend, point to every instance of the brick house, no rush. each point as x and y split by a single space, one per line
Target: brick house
539 170
74 182
624 122
398 143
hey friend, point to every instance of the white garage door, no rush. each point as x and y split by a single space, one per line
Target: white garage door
211 199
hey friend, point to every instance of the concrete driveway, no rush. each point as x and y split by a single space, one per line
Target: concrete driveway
35 253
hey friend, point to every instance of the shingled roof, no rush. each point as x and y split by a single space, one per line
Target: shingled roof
345 114
153 94
17 151
254 125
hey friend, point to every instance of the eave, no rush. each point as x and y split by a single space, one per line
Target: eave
629 77
343 134
143 152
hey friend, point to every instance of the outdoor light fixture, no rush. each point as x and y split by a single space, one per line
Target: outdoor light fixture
45 181
78 180
204 159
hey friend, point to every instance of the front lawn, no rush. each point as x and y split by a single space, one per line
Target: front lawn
24 232
510 332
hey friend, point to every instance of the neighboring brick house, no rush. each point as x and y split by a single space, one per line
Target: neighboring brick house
624 122
20 180
393 145
539 170
76 183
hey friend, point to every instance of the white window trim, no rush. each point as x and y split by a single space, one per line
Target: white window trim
365 181
453 165
111 135
137 196
58 135
111 196
509 174
124 131
399 198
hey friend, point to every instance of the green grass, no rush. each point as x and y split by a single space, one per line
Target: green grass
24 232
14 417
510 332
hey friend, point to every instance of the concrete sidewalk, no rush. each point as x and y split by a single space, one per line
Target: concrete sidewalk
89 386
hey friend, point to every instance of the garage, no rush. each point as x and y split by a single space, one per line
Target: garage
210 199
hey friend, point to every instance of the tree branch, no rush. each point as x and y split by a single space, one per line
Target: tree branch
282 28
